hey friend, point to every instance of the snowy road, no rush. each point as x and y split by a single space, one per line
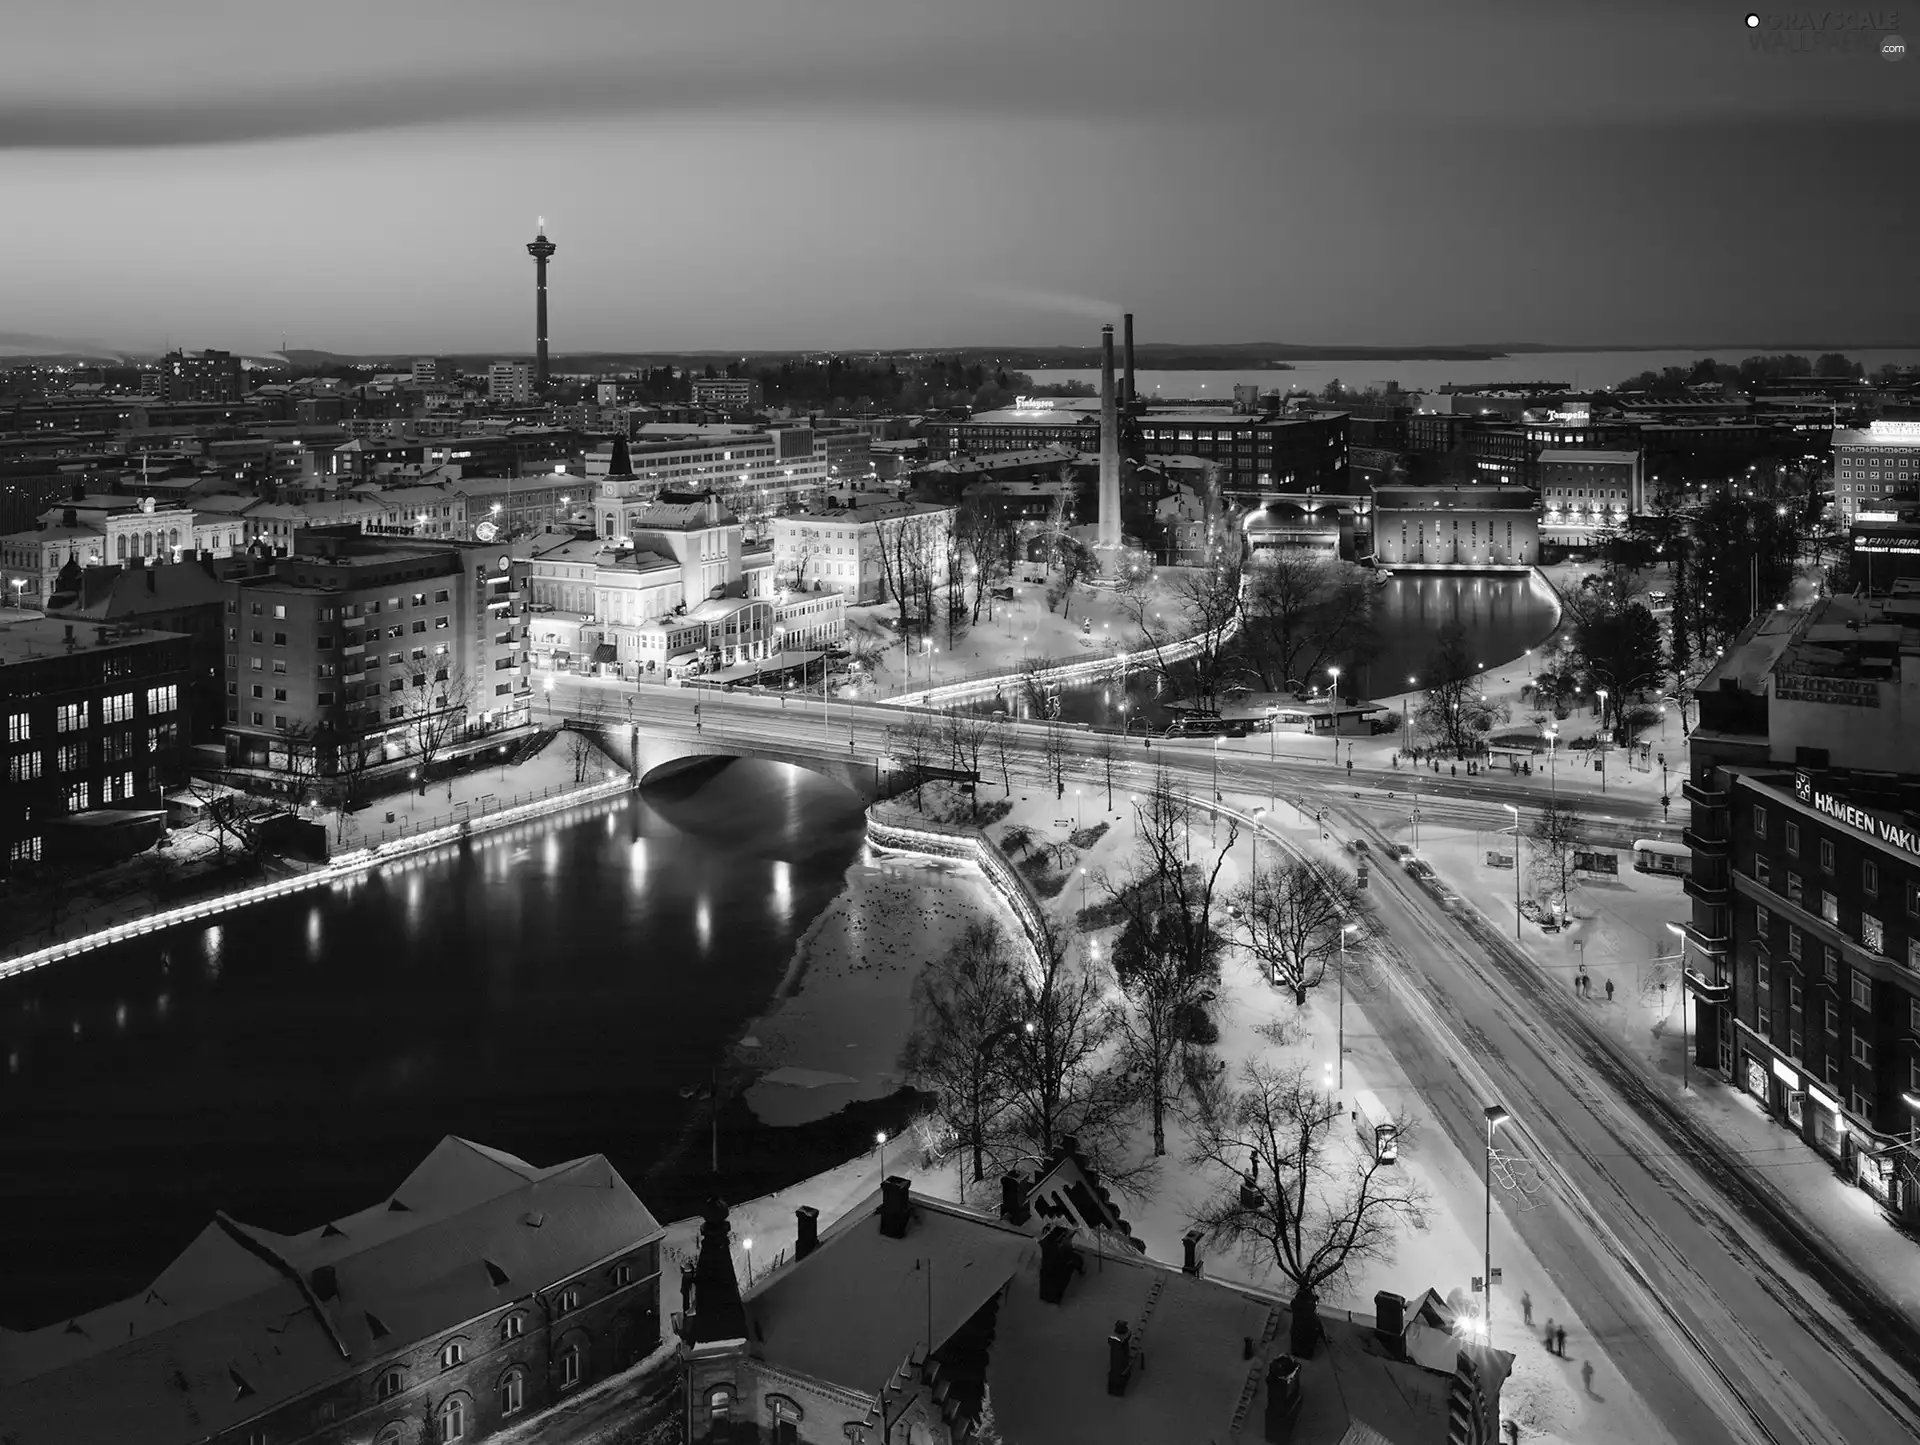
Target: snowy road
1698 1288
1698 1292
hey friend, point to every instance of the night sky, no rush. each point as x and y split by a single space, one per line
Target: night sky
362 175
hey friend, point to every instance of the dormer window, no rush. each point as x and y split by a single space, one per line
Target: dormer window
452 1354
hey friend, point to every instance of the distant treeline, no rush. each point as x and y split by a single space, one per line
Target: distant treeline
1678 380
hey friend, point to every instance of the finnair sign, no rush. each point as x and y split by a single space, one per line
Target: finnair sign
1874 825
1033 403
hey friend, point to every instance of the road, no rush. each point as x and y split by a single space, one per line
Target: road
1697 1286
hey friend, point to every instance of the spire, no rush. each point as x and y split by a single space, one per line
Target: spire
622 463
68 580
717 1312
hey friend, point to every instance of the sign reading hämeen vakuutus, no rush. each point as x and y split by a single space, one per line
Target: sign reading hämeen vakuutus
1840 691
1878 826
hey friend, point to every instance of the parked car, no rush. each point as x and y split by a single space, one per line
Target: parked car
1358 847
1419 868
1403 852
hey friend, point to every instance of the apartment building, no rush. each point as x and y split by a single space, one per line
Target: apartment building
755 471
1875 466
95 720
1803 948
357 649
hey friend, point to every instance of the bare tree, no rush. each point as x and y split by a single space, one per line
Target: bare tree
1074 562
1292 915
979 539
230 816
966 740
436 712
1452 708
1552 837
1304 610
915 745
1060 1072
1202 609
583 753
1327 1202
1005 743
967 1003
1106 753
1056 754
356 753
1167 955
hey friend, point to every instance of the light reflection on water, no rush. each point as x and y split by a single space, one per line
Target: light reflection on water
547 990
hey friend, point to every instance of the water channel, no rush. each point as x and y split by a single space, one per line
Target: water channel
554 990
1503 614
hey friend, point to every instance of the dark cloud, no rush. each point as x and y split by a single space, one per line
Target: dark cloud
969 79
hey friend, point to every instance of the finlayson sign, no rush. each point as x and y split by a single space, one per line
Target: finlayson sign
1877 826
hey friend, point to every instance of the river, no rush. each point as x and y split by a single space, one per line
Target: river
554 990
1504 615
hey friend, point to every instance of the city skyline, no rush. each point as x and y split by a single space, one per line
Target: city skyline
865 177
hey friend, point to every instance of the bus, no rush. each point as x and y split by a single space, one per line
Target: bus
1650 855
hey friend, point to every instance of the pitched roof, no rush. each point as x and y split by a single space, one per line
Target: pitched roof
798 1315
226 1333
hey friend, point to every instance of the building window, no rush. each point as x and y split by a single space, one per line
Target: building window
1793 943
1872 937
1764 975
572 1366
1760 822
163 699
513 1326
1830 907
79 798
1826 855
513 1391
24 768
390 1385
1832 1011
71 717
19 728
1762 873
1870 878
1760 919
719 1407
1862 990
452 1355
1830 968
453 1421
569 1299
1862 1050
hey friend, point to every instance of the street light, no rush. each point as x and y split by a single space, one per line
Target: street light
1516 869
1333 711
549 697
1679 932
1345 929
880 1139
1496 1116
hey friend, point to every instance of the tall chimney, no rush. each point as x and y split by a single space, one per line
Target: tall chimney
808 1219
894 1206
1390 1321
1109 533
1127 398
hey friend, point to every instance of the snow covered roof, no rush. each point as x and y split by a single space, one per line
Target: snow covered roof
226 1333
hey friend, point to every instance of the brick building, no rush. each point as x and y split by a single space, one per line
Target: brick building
1803 948
96 723
483 1292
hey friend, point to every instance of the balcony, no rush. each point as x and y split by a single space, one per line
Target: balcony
1712 847
354 651
1702 797
1717 894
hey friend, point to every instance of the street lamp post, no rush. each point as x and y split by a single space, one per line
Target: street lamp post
1681 933
1496 1116
1516 869
549 697
1333 711
1601 693
880 1139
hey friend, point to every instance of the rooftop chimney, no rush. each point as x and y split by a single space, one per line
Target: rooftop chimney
1059 1262
1127 397
1190 1247
1013 1199
1283 1397
1390 1322
894 1206
809 1220
1119 1358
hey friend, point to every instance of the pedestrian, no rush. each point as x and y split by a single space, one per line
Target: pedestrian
1609 990
1549 1335
1526 1308
1586 1376
1560 1342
